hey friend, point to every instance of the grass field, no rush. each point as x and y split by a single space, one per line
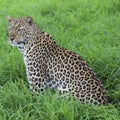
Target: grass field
91 28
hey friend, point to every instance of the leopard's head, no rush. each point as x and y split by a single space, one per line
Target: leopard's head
20 31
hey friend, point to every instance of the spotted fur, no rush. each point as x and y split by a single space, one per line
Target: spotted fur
51 66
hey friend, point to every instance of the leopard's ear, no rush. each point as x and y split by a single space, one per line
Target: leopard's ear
10 18
29 20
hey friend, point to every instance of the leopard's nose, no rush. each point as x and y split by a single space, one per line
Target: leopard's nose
11 38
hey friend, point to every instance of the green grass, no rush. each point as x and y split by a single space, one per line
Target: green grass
91 28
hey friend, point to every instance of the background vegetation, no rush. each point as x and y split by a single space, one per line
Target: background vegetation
91 28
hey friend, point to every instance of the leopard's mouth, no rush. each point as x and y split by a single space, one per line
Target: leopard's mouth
19 44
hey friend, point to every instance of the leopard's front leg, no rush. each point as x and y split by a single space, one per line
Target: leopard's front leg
36 73
36 82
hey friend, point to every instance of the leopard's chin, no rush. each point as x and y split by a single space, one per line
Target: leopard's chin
19 45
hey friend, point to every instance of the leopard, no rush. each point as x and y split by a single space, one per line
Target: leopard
48 65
